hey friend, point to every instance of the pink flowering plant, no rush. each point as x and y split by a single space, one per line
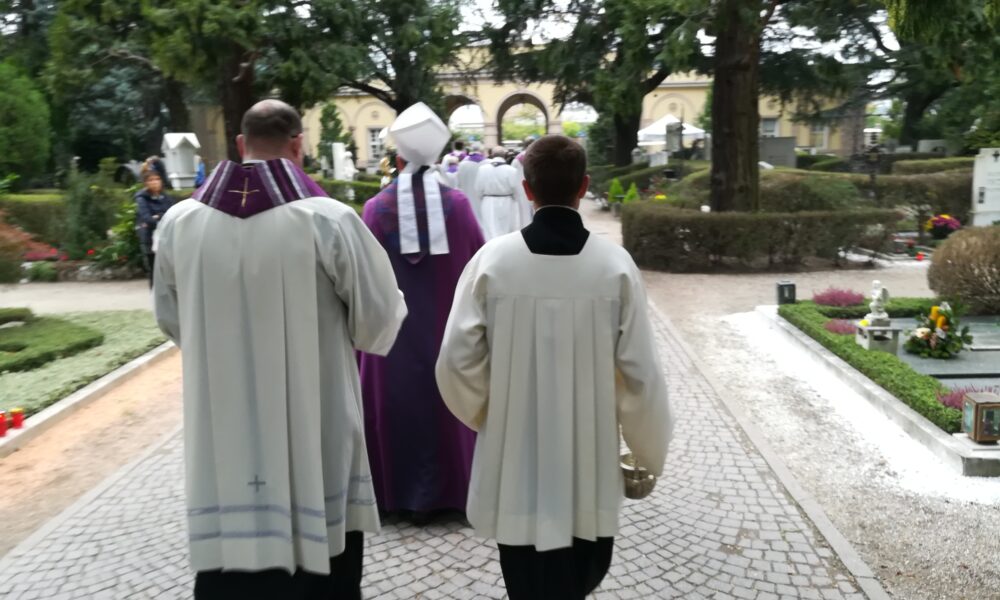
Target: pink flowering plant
941 226
838 297
954 398
840 326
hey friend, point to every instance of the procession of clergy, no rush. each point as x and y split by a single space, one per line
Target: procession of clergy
467 347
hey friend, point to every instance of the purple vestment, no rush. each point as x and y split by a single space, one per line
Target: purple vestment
421 455
247 190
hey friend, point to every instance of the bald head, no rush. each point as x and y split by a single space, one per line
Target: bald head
271 129
498 152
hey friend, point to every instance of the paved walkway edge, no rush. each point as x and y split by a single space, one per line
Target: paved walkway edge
966 459
81 503
810 506
44 420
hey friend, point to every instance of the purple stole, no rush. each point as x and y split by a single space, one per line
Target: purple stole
250 189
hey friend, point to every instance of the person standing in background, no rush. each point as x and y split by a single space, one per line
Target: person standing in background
150 206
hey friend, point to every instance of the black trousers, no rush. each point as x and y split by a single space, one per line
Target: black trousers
343 582
149 262
564 574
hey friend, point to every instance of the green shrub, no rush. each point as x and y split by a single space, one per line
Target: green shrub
945 192
42 215
919 392
12 315
599 185
25 134
616 191
966 268
123 247
42 271
782 192
642 178
632 195
671 239
90 212
832 165
363 190
933 165
43 340
806 161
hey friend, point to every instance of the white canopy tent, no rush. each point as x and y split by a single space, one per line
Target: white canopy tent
656 134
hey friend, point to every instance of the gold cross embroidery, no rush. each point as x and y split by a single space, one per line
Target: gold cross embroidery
246 191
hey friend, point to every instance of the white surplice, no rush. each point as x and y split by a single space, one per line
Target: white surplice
497 189
268 312
529 360
525 208
468 170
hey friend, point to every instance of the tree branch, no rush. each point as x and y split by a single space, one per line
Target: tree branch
377 93
132 57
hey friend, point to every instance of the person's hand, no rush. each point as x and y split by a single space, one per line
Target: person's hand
156 217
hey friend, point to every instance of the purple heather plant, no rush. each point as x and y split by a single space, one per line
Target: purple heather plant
840 326
838 297
954 398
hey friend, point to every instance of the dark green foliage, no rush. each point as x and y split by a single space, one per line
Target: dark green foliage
90 211
642 178
604 174
781 192
42 215
122 249
806 161
43 340
933 165
670 239
13 315
919 392
831 165
363 190
24 125
42 271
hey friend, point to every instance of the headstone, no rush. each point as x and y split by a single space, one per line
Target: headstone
638 156
778 151
932 146
179 151
986 187
658 159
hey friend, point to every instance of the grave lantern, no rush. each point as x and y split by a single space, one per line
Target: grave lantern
786 292
981 417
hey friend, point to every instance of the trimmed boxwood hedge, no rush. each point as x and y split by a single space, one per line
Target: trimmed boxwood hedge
919 392
41 215
671 239
42 340
13 315
934 165
363 190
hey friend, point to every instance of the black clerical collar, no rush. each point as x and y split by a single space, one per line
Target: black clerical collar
556 231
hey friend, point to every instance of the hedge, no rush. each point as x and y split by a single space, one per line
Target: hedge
832 165
934 165
642 178
805 161
919 392
41 215
12 315
43 340
363 190
671 239
600 177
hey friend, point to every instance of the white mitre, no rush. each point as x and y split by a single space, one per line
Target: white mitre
420 137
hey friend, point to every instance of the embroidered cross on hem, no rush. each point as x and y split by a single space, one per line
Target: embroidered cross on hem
257 483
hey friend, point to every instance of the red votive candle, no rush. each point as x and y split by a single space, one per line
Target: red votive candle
3 423
17 417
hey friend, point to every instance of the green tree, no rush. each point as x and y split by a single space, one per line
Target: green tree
331 128
617 52
24 125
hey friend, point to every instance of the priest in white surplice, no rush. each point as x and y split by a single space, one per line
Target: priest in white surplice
543 320
497 187
269 287
466 174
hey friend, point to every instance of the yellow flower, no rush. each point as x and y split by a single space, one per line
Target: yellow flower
863 323
942 322
660 197
935 313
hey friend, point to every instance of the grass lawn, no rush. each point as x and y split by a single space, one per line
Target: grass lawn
127 335
42 340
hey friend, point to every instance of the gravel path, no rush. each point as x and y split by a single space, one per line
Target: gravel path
78 296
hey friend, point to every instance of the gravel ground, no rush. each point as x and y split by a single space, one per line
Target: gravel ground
927 533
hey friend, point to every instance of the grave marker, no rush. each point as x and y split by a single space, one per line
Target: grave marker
986 187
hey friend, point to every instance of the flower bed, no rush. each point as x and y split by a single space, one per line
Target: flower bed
919 392
43 340
127 335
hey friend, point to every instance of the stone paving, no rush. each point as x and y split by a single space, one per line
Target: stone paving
719 525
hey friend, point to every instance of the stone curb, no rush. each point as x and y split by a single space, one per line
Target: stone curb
861 572
44 420
81 503
965 460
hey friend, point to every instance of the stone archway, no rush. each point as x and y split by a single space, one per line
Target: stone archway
494 129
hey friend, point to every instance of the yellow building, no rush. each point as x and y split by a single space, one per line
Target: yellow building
681 95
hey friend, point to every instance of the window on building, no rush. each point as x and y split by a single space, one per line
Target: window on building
819 135
769 127
375 145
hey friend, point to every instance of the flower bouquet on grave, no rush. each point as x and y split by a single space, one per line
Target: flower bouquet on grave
939 334
941 226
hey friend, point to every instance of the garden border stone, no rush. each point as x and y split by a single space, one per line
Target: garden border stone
37 424
957 451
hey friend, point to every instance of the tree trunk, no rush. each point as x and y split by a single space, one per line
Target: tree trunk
173 99
735 111
917 102
237 95
626 138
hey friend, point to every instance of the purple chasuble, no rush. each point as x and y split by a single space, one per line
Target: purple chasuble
420 454
476 157
250 189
